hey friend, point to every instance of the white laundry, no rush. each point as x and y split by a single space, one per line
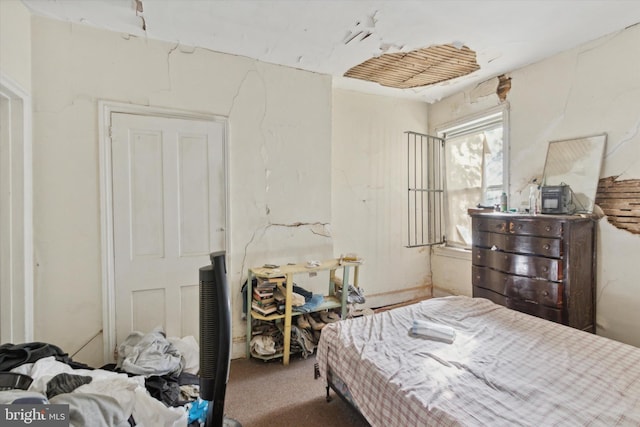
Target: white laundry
263 345
190 351
149 354
92 410
129 392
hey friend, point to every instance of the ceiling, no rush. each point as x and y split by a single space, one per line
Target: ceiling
333 36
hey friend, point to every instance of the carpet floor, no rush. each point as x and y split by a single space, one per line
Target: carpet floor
267 394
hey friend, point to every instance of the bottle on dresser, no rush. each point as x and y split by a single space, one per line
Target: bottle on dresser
534 205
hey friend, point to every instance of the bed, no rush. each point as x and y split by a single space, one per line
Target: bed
503 368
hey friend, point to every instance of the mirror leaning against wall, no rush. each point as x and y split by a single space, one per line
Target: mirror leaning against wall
572 171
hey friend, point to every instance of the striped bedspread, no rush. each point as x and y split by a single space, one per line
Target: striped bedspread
505 368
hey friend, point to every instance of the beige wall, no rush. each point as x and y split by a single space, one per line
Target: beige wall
15 43
369 193
588 90
279 161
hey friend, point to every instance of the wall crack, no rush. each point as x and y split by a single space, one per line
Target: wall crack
296 224
623 142
235 97
303 224
171 50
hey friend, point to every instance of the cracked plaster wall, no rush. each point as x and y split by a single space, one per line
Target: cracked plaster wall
369 193
279 162
584 91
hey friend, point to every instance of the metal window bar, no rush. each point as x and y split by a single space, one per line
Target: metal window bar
425 197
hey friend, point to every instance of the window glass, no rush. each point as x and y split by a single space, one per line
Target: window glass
474 164
493 166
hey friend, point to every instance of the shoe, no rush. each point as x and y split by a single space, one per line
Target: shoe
315 324
355 295
329 316
358 313
307 340
302 322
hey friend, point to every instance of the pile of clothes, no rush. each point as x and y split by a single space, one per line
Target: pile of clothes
153 383
268 337
169 365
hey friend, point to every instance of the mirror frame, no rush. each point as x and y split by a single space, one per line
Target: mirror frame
576 162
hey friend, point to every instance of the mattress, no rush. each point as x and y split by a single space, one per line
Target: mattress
505 368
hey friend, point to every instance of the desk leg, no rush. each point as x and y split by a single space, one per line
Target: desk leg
287 320
249 321
345 290
356 273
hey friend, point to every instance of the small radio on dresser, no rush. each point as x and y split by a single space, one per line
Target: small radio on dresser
556 199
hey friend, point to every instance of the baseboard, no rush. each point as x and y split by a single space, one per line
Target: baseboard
402 304
239 348
444 292
397 297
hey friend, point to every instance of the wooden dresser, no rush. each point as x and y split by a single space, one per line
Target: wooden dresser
543 265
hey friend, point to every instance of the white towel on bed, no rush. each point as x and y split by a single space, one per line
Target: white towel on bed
433 331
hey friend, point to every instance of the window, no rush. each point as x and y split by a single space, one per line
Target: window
475 171
465 165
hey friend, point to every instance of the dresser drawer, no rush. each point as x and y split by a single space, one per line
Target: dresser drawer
522 226
538 310
521 288
522 244
522 265
492 225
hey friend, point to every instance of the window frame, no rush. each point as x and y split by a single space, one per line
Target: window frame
465 125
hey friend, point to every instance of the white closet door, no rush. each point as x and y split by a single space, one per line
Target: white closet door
168 214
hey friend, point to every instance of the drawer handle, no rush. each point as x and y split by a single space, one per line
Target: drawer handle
519 226
545 269
548 228
546 247
478 256
506 257
478 277
545 293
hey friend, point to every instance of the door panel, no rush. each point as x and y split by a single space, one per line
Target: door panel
169 214
145 179
190 298
145 320
194 189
